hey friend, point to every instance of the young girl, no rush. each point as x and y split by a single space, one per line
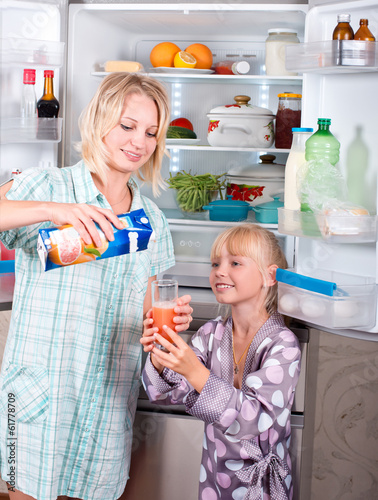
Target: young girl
238 375
73 358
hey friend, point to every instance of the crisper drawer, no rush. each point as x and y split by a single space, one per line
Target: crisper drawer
346 301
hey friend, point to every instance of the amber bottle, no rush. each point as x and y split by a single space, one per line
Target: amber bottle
363 32
343 30
48 104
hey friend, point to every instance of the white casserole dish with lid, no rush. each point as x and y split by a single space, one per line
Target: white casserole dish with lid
240 125
257 183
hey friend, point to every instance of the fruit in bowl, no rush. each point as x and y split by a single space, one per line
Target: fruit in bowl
195 191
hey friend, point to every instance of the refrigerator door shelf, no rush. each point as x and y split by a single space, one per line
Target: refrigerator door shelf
332 56
30 130
331 228
353 304
33 53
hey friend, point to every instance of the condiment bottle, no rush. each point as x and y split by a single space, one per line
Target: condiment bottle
363 32
48 105
343 29
29 100
294 162
232 67
288 116
278 39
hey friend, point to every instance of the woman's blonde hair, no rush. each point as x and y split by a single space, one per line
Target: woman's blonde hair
259 244
104 112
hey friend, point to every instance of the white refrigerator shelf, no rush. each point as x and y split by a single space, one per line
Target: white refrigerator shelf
35 53
29 130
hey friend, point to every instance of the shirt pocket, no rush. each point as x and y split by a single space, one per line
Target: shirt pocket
29 387
142 272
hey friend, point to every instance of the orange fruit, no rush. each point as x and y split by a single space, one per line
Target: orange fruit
95 251
203 55
184 60
163 54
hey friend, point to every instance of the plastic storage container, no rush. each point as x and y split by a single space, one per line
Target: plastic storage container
328 299
275 46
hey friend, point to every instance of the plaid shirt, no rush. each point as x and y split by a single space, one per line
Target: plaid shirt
73 356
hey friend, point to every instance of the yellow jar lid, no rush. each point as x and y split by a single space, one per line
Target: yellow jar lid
287 94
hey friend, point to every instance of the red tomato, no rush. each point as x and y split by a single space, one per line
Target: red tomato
182 122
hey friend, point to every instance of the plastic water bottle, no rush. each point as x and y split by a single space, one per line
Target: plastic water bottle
323 145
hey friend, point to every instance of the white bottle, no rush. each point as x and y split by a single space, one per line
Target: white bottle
294 162
29 100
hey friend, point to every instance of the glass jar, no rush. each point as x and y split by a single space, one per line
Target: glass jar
275 55
288 117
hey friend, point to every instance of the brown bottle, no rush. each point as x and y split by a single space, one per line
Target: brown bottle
363 32
48 105
343 30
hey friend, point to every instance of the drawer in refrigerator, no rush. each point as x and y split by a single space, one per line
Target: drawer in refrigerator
329 299
346 227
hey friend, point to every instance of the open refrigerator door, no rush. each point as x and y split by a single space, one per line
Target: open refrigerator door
340 249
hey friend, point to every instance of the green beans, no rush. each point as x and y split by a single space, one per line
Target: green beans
194 191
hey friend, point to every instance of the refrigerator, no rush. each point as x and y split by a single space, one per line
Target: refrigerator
75 39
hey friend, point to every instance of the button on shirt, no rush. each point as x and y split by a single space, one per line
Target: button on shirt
73 355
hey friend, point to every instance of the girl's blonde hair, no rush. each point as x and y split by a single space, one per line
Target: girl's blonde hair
104 112
259 244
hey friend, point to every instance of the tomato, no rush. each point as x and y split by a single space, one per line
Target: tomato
182 122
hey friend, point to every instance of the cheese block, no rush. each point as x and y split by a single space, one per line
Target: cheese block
128 66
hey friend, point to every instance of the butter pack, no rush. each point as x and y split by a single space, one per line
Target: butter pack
62 246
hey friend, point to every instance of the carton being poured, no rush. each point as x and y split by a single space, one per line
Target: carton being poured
62 246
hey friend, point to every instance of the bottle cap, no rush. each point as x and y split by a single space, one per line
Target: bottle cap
29 76
289 94
324 121
302 129
242 67
48 73
343 18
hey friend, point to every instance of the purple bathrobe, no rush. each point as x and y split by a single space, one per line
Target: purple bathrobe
247 432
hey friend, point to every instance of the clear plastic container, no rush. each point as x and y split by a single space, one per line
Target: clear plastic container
353 304
275 46
232 67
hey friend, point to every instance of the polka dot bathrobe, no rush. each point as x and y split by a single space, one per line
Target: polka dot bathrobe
247 432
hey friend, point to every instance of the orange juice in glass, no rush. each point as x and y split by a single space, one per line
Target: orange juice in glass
164 300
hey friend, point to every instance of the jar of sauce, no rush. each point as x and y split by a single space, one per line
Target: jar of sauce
275 46
288 117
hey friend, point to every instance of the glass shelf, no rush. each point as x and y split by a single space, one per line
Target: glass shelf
207 147
30 130
212 78
33 53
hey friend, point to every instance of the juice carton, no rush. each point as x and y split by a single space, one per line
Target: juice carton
62 246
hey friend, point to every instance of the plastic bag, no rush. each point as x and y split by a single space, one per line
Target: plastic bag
321 186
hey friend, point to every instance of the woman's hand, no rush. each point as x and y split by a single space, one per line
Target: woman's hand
83 217
180 358
184 313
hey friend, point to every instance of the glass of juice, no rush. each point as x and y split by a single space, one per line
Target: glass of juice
164 299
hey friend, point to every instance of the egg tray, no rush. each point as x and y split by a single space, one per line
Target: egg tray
353 307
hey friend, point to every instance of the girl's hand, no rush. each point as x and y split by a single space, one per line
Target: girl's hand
148 339
184 313
181 359
83 217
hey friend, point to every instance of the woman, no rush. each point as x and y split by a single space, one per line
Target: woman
72 359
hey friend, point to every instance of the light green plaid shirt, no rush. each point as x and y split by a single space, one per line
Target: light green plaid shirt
73 356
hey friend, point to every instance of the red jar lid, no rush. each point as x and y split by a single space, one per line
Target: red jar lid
48 73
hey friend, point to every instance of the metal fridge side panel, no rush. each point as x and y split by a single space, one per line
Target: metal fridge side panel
166 457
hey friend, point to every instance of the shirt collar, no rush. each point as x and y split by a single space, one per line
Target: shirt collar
87 192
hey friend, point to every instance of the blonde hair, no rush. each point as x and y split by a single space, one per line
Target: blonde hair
103 113
259 244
